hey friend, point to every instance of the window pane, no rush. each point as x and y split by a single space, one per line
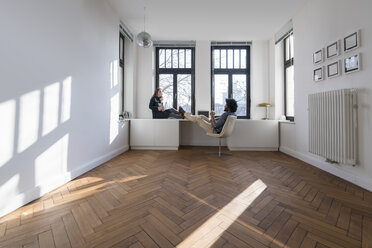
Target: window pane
243 58
181 58
175 58
166 84
291 45
221 87
184 91
230 57
216 62
121 47
161 58
121 85
236 58
240 93
168 58
188 58
289 91
286 43
223 59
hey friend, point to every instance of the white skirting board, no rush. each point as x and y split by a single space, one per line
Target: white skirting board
169 148
55 182
253 149
330 168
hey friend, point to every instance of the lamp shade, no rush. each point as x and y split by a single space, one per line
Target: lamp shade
144 40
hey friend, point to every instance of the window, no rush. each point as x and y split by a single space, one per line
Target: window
288 78
175 75
231 78
121 70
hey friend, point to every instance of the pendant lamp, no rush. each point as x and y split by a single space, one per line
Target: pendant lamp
143 39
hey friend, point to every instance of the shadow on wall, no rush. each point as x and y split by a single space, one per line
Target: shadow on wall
36 121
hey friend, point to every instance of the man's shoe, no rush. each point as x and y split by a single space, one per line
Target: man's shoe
181 110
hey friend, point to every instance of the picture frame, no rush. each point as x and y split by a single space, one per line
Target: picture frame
333 50
318 56
352 63
318 74
352 41
333 69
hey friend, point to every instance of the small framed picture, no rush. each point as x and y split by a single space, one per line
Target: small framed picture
318 74
333 69
333 49
318 56
352 41
352 63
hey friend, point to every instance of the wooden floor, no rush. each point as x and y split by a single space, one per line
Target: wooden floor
189 199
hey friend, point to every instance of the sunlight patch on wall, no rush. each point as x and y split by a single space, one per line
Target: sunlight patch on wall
114 117
66 100
28 120
114 73
52 161
211 230
51 105
7 126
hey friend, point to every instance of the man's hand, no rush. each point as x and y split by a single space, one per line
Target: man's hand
212 114
161 108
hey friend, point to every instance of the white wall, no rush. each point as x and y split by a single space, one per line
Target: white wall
58 94
260 88
203 76
259 77
314 28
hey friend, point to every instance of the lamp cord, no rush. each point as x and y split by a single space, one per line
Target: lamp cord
144 19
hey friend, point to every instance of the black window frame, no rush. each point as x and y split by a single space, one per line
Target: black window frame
230 72
287 63
175 72
122 65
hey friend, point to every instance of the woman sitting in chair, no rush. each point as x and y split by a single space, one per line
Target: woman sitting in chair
158 110
212 125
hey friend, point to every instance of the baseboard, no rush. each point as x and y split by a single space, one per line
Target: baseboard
157 148
253 148
330 168
57 181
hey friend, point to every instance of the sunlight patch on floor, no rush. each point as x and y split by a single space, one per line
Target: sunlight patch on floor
208 233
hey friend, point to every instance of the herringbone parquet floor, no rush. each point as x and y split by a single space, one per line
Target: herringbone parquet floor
188 199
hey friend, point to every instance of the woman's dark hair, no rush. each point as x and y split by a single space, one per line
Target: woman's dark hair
156 92
232 104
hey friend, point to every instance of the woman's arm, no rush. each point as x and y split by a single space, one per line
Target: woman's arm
153 105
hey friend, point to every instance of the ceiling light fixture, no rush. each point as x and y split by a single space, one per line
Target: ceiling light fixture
144 39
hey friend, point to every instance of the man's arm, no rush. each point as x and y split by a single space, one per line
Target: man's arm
213 120
221 121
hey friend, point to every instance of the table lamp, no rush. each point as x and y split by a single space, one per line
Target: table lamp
267 105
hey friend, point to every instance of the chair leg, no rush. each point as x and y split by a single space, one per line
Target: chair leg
220 153
219 147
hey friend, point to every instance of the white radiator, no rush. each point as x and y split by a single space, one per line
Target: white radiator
333 125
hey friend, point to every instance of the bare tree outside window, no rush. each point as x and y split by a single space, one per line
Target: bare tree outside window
230 72
175 72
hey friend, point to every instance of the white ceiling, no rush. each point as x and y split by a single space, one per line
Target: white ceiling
221 20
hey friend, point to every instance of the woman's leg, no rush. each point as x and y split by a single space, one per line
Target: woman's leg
174 116
206 125
172 113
